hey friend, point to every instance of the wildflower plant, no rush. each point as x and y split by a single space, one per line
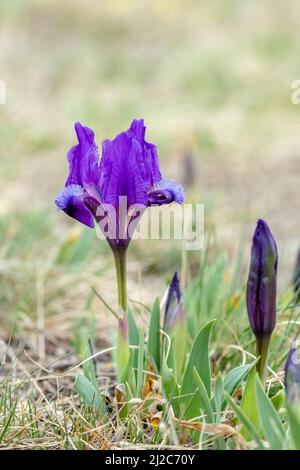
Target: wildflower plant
113 192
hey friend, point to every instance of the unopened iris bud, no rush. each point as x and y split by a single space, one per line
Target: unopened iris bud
292 376
175 324
174 305
296 279
261 290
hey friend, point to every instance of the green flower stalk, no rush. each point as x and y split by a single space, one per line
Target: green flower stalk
122 333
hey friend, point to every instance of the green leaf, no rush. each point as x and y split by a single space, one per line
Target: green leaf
126 373
204 397
140 371
134 336
170 387
244 421
234 378
154 334
277 400
179 345
199 359
293 413
269 417
216 400
89 394
6 426
249 405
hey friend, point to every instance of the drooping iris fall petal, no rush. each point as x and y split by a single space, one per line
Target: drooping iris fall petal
165 192
70 200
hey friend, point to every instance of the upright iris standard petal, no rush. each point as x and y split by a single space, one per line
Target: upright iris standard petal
292 376
261 286
80 196
129 167
83 159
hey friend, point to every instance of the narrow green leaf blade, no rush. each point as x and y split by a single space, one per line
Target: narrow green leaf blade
199 359
134 337
204 398
154 334
293 413
233 379
140 364
244 421
269 417
89 394
249 405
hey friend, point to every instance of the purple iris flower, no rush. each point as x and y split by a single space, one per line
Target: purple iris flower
261 290
292 375
174 305
128 169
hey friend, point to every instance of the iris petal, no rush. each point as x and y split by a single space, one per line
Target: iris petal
70 200
165 192
84 159
129 167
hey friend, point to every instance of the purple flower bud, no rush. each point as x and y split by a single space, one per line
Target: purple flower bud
174 306
296 278
261 291
292 376
261 286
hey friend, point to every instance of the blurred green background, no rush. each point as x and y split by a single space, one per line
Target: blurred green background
212 81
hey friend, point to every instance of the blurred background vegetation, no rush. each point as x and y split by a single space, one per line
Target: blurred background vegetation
212 81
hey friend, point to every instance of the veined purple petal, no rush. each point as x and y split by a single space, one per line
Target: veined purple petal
165 192
129 167
70 200
261 286
149 163
84 159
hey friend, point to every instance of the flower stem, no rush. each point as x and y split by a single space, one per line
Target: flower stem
120 262
122 334
262 348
